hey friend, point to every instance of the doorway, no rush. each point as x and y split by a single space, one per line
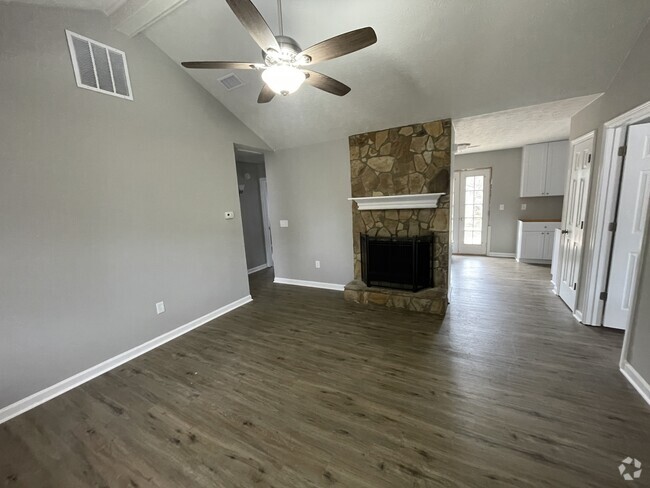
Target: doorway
253 203
470 212
609 216
633 200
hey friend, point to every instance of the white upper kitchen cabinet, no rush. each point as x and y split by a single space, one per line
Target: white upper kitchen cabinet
544 169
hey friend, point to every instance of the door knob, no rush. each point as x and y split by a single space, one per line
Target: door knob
565 232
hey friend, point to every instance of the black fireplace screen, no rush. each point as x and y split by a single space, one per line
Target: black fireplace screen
397 262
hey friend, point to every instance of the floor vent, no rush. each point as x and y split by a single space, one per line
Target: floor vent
99 67
231 81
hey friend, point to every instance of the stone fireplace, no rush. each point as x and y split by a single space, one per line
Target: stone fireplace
411 165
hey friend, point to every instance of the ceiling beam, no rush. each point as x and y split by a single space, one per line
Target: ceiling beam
134 16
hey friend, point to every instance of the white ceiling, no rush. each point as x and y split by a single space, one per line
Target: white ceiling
105 6
434 58
520 126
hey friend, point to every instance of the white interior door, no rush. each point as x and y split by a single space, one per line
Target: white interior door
474 201
266 222
630 227
573 221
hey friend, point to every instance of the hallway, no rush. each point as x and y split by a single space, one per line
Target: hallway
301 389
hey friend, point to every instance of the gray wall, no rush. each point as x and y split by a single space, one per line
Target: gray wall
629 89
309 186
506 179
251 212
108 206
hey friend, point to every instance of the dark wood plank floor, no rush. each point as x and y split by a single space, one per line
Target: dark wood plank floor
299 389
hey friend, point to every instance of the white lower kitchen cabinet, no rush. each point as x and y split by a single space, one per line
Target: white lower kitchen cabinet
535 240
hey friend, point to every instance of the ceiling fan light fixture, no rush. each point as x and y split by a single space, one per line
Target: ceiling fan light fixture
283 79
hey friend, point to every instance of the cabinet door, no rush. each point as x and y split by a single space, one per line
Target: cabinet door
533 170
548 246
557 167
532 245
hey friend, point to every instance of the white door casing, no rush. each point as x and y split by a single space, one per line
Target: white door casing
266 222
573 219
454 212
630 228
473 214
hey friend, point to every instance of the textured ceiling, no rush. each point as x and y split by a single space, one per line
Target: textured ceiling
434 58
518 127
105 6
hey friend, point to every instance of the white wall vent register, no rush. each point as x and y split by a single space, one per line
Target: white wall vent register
99 67
231 81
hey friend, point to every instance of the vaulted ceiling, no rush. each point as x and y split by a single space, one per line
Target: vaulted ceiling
105 6
433 59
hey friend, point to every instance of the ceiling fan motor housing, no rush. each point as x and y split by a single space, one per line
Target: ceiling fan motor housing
289 53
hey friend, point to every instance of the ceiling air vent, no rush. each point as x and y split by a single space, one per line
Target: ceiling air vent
231 81
99 67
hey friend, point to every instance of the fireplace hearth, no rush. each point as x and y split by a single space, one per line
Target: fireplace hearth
403 263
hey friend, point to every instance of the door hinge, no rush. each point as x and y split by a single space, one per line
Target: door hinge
589 158
603 296
622 151
575 286
611 227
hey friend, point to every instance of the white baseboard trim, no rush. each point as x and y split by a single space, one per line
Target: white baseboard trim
636 380
501 254
310 284
21 406
258 268
578 315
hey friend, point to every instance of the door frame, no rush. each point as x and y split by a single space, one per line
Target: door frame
455 194
266 222
486 225
605 197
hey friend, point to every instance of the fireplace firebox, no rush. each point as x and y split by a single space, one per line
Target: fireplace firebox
397 262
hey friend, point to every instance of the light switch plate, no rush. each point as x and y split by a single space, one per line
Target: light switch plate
523 206
284 223
317 264
502 207
229 215
160 307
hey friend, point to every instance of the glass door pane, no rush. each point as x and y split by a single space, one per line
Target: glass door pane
473 211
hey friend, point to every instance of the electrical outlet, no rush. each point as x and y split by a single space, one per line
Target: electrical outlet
523 206
229 215
284 223
317 264
502 207
160 307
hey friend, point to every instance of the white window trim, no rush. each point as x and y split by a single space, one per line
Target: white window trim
69 35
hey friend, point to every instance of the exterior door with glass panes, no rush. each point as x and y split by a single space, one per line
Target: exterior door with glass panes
473 206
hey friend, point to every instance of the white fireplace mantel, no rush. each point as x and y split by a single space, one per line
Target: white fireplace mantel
395 202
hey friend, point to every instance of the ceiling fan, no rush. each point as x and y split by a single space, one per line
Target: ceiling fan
285 64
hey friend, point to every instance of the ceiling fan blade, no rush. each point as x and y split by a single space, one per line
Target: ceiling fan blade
341 45
254 23
325 83
266 95
220 65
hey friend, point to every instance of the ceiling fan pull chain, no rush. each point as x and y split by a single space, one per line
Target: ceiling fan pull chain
280 17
